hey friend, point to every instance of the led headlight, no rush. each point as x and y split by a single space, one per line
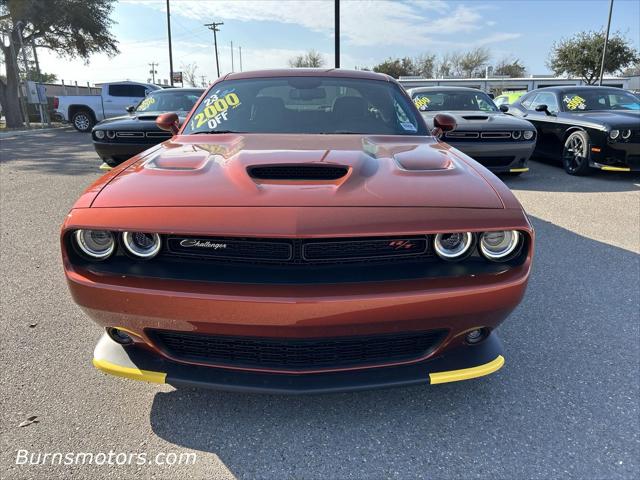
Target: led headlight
626 134
111 134
516 134
613 134
453 246
142 245
499 246
97 244
528 134
99 134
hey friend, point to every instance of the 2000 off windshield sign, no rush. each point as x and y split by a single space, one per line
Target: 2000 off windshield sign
216 110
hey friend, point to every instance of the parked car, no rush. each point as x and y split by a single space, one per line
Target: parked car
84 111
120 138
500 142
507 98
301 232
584 127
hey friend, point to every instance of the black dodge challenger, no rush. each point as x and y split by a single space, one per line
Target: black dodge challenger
120 138
585 127
500 142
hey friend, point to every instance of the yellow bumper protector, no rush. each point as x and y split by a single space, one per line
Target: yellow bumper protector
467 373
128 372
615 169
516 170
104 166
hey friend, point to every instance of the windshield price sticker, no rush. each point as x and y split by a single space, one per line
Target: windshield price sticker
422 102
146 103
574 103
215 110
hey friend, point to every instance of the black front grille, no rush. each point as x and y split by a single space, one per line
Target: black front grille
231 249
297 172
297 354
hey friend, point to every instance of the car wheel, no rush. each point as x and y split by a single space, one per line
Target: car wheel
575 154
82 121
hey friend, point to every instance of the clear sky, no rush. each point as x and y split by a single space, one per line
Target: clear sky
271 32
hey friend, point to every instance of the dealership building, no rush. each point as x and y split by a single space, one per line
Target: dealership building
498 85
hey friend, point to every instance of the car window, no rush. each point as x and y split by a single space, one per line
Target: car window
599 99
432 101
502 99
127 90
545 98
313 105
526 100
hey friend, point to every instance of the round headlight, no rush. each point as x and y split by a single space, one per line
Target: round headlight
111 134
143 245
516 134
97 244
528 134
626 134
613 134
453 246
99 134
498 246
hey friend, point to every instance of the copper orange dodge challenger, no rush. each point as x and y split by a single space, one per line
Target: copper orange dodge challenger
301 232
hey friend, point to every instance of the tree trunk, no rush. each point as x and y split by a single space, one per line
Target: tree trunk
9 91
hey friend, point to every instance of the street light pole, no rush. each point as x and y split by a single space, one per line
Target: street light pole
606 40
336 20
170 52
214 27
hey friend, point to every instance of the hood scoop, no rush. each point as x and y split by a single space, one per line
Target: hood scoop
147 117
475 117
297 172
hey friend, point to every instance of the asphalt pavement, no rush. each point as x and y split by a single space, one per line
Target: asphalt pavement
566 404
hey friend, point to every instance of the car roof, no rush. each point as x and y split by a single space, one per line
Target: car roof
445 88
309 72
562 88
174 90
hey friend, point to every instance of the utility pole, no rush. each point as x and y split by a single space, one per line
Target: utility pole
204 82
213 26
606 40
240 52
232 56
336 20
153 71
170 52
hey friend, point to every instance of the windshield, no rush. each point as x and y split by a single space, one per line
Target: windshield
313 105
599 99
169 101
434 101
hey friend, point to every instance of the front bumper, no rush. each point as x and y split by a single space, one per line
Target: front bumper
499 157
115 153
139 363
616 157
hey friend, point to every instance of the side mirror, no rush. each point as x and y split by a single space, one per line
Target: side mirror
168 122
543 108
131 108
504 108
442 123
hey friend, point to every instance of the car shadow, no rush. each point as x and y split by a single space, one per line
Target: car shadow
548 176
58 152
566 400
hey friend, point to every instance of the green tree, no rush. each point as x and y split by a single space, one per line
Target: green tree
397 67
472 63
71 28
581 55
311 59
511 68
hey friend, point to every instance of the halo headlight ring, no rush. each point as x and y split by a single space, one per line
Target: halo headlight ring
94 244
528 134
516 134
459 249
500 250
142 245
626 134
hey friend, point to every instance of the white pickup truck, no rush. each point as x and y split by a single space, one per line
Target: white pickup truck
84 111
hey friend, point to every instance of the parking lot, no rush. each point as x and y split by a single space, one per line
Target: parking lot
565 404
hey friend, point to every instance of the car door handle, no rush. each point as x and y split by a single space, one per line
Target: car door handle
108 101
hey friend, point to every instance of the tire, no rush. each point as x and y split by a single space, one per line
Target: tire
82 121
575 154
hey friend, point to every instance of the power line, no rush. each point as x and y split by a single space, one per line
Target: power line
153 71
213 26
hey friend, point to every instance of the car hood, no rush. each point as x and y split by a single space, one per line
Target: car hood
482 121
136 120
213 170
613 119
